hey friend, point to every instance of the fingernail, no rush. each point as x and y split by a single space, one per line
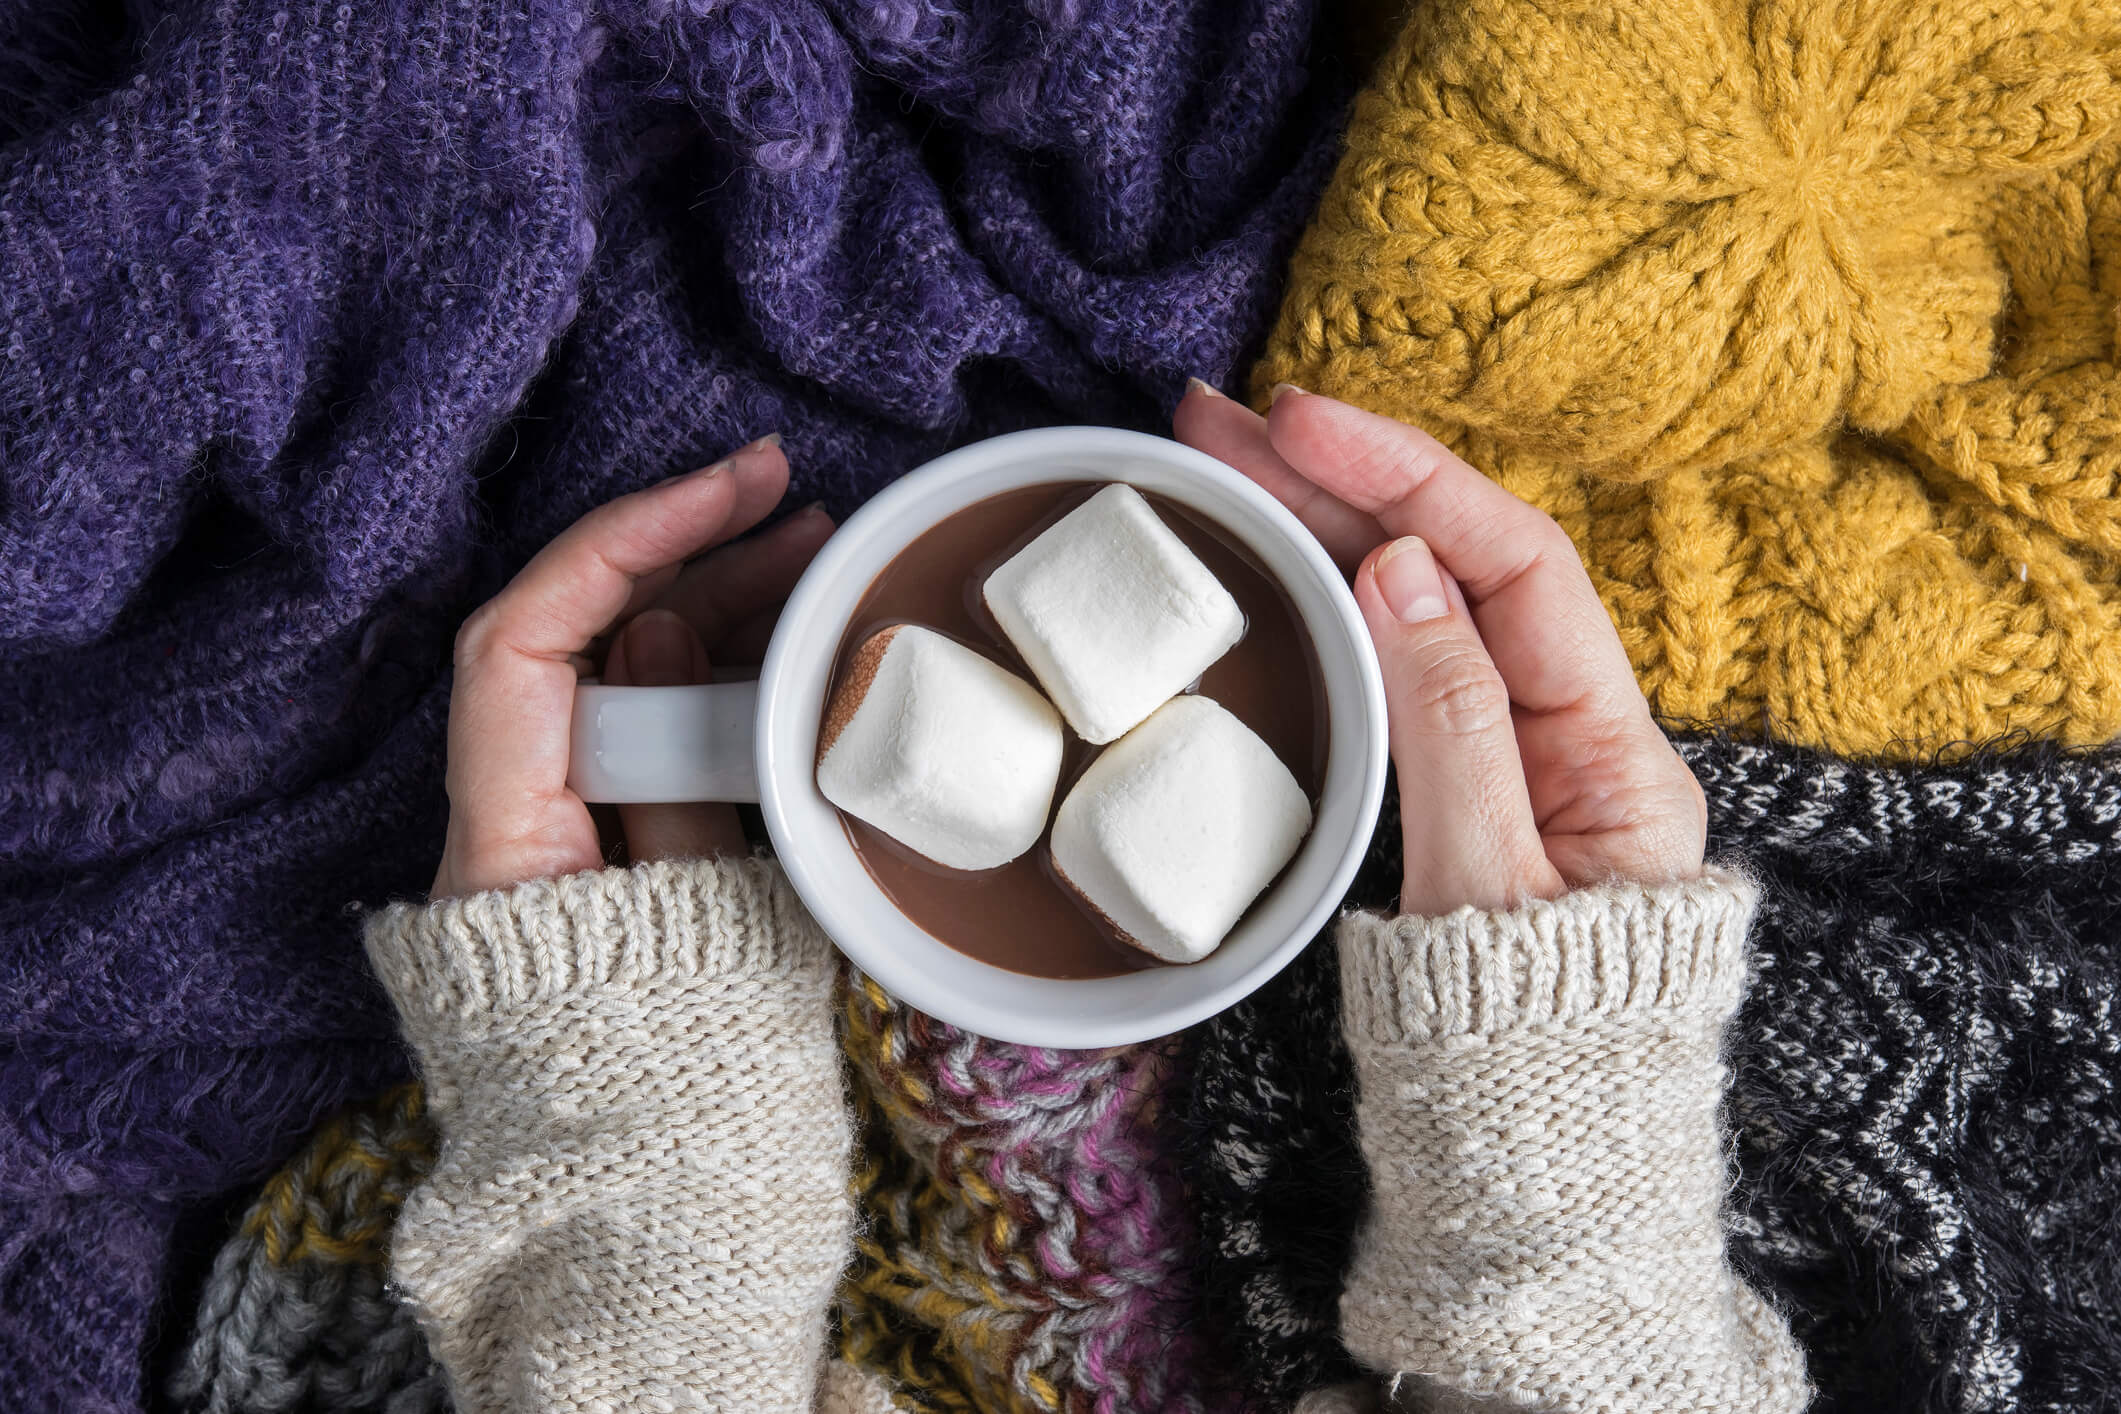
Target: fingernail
702 473
1408 581
659 649
1282 390
1203 387
771 439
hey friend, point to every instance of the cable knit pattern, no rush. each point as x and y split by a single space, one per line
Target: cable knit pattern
1798 317
1538 1095
321 317
640 1200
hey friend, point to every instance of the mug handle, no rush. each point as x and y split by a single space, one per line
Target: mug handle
653 745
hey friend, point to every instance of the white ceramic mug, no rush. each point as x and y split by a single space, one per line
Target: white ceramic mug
757 741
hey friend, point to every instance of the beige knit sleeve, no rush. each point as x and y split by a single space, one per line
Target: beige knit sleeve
1539 1095
640 1200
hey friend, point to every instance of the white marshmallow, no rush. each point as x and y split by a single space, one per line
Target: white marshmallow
946 752
1176 828
1112 612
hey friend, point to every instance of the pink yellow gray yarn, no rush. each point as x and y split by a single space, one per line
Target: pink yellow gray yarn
297 1314
1026 1245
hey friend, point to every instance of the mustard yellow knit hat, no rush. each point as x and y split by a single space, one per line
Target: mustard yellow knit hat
1802 316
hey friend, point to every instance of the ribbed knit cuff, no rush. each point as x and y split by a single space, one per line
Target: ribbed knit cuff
1596 952
1538 1099
492 953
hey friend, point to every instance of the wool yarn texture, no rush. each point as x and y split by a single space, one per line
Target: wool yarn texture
1022 1243
297 1313
1799 317
1926 1092
321 318
1025 1246
642 1200
1537 1099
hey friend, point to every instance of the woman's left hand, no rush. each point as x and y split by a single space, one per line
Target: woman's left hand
519 656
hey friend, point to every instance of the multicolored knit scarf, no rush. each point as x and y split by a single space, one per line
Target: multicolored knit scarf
296 1314
1027 1244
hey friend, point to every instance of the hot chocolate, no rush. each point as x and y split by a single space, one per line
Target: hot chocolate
1019 916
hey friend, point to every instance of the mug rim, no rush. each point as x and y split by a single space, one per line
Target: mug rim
853 925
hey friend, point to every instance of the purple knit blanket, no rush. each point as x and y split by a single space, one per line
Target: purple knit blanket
316 318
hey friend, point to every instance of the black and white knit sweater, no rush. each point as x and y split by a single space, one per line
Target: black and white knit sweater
1926 1097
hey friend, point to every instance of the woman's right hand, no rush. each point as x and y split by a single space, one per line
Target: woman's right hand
1528 761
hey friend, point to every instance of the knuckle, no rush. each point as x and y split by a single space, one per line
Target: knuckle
1388 455
1662 849
1626 774
1459 693
1663 829
625 542
478 635
1698 799
1672 796
1616 743
1540 537
1549 539
1409 459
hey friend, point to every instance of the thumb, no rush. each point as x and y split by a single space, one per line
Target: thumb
1465 816
659 649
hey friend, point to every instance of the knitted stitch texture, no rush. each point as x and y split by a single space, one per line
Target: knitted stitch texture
321 317
1022 1244
1062 1306
641 1197
1538 1105
296 1315
1025 1245
1800 318
1926 1090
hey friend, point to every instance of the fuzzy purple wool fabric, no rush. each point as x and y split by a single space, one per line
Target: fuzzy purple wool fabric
320 317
